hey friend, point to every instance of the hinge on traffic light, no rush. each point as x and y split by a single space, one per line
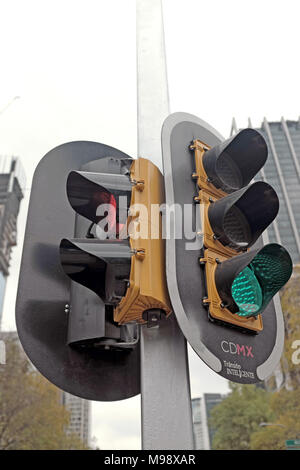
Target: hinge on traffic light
140 254
140 184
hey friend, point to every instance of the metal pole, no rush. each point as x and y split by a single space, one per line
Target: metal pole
165 387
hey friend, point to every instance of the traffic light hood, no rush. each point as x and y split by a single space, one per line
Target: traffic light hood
246 283
86 191
100 265
232 164
238 219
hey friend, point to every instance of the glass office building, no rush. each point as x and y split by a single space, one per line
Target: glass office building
198 424
282 172
201 409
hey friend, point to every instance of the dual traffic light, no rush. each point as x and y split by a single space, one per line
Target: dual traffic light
124 264
123 273
239 283
119 259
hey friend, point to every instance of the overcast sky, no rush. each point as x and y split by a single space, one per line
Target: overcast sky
73 65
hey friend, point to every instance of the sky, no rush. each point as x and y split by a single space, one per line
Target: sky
73 64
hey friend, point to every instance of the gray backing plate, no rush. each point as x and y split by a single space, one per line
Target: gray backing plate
44 289
216 345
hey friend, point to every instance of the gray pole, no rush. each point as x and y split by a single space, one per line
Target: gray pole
165 387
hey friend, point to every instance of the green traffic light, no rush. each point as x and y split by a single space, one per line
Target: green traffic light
253 288
247 293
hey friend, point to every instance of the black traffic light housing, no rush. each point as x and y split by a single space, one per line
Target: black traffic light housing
235 215
119 259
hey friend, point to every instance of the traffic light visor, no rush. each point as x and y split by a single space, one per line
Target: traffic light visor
232 164
239 219
100 265
88 191
247 283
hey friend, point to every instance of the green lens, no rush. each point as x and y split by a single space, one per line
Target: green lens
247 293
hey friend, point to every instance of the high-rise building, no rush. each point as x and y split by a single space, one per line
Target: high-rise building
210 400
282 171
12 184
79 416
201 409
198 424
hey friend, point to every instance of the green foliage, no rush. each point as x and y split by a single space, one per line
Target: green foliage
290 301
285 405
238 416
31 416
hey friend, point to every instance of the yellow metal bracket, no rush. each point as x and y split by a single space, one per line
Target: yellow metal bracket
147 284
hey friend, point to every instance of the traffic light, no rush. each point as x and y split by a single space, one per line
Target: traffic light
120 259
239 283
66 329
93 268
221 279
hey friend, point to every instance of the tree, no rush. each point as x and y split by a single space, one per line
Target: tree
285 405
238 416
290 301
31 415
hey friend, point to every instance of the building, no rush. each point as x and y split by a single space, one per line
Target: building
210 400
201 409
282 172
198 424
79 416
12 185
